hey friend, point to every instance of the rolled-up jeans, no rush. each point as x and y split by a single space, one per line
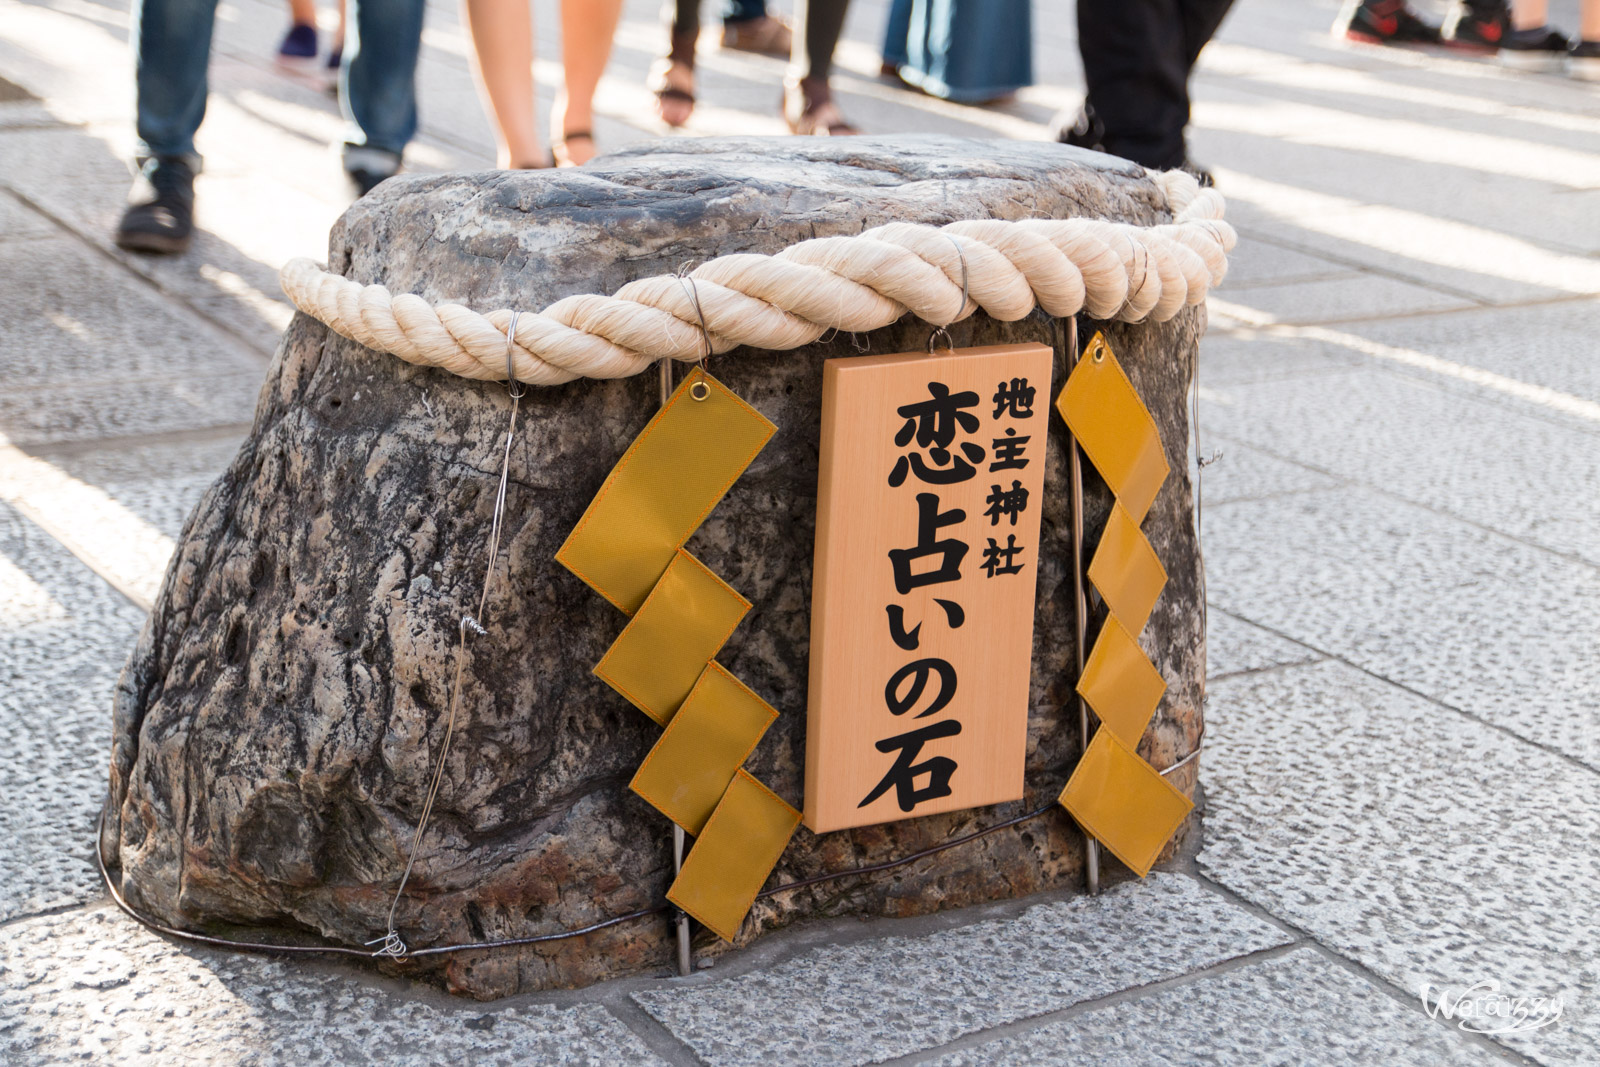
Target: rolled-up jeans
377 85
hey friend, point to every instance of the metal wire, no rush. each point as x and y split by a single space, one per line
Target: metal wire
559 935
390 943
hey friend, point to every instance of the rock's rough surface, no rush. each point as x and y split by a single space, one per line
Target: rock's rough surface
274 725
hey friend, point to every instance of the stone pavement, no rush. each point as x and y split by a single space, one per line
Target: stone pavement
1402 393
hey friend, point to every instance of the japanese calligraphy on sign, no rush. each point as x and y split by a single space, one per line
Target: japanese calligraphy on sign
929 492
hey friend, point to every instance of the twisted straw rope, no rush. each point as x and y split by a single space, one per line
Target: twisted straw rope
857 283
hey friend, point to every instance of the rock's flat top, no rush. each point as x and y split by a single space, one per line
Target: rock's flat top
532 237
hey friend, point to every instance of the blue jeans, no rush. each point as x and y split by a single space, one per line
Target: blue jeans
377 87
965 50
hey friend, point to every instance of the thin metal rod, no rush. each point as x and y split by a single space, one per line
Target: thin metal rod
683 920
678 840
1080 604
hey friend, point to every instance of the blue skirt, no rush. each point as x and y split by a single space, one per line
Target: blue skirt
963 50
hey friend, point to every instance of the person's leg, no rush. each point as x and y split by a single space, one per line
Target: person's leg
1529 14
821 22
1201 19
377 88
587 28
685 19
1135 60
672 77
172 48
303 12
502 39
896 31
1586 50
807 100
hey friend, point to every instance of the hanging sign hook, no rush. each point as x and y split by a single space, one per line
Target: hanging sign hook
700 390
940 331
513 386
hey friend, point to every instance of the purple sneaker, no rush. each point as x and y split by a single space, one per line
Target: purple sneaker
298 52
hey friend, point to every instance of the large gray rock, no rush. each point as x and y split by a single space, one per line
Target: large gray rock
273 726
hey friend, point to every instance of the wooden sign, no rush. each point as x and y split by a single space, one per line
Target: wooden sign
928 498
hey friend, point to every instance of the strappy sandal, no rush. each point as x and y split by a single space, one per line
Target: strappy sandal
674 97
810 116
670 98
559 146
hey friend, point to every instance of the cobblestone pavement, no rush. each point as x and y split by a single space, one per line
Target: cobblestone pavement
1402 388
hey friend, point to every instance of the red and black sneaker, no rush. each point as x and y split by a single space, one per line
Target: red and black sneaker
1477 27
1385 22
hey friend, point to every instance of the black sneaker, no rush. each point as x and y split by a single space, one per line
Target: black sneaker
1386 22
1198 173
1477 27
363 181
160 215
1539 50
1081 130
1585 57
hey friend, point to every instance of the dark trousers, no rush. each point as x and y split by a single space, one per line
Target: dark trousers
1137 55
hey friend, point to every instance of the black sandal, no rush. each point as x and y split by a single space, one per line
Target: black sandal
556 146
680 53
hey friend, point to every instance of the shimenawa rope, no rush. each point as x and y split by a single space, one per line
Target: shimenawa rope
853 283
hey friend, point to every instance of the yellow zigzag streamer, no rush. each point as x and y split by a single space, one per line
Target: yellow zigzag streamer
1116 796
629 548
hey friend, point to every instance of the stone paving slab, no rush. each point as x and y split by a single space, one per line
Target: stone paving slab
1240 472
1421 843
1551 345
18 222
1321 147
1399 93
30 417
877 999
157 481
1491 463
1258 263
118 994
1496 628
73 317
1234 646
1294 1009
1475 261
64 634
1236 354
1341 298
